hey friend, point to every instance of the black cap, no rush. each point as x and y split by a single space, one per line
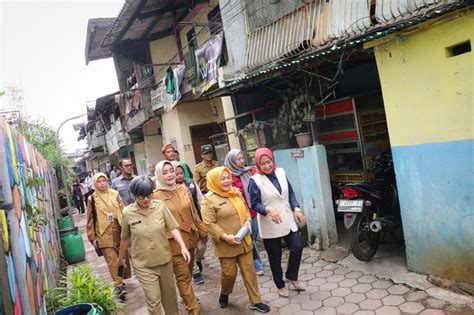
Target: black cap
206 148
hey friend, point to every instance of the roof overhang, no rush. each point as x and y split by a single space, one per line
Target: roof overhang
145 20
105 103
96 30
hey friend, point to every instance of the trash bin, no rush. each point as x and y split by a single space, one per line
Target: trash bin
72 245
65 222
80 309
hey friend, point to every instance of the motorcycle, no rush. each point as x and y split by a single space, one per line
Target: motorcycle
371 209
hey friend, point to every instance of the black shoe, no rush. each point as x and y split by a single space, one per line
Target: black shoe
260 307
121 292
198 279
223 300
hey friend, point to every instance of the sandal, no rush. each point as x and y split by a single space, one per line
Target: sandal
284 293
295 286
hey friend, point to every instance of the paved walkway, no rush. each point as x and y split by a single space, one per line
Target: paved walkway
330 289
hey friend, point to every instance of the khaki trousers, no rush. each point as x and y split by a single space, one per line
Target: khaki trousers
111 256
229 273
183 273
160 291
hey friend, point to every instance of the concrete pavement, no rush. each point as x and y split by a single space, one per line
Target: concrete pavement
330 289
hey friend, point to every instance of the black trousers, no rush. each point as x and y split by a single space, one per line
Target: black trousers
273 248
80 206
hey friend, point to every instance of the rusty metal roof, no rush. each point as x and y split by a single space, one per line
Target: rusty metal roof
140 19
96 29
319 22
264 74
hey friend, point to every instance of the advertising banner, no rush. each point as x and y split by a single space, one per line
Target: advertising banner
208 59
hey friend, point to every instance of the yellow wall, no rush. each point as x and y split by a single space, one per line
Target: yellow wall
162 50
201 16
153 142
428 97
176 124
140 158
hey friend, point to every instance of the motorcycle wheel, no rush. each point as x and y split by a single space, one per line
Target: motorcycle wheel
364 243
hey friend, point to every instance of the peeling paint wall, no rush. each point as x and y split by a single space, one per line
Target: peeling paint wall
427 85
312 192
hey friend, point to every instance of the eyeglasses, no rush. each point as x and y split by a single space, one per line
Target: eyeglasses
141 198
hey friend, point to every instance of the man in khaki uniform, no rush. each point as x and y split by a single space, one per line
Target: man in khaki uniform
205 166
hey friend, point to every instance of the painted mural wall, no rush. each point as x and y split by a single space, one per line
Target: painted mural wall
427 83
29 262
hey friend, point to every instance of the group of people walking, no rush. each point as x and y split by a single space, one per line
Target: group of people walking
159 225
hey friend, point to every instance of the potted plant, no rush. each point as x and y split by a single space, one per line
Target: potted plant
296 105
83 287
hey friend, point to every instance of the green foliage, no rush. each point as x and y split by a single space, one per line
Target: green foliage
36 219
43 137
83 286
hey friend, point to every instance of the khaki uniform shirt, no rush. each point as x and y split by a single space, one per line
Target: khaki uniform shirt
200 173
220 216
181 206
111 236
148 230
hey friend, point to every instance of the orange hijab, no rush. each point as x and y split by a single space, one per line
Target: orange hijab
214 184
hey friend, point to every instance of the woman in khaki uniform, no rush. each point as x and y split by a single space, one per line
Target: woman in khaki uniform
224 213
146 226
178 199
104 227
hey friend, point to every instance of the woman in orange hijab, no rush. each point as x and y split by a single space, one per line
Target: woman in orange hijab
224 213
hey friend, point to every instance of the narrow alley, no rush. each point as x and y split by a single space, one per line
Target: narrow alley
330 289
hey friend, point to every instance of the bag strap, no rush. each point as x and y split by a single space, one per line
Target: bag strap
191 205
94 213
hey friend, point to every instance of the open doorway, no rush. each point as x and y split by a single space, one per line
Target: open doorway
200 135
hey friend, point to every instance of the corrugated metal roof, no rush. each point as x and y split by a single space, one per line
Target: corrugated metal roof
337 46
319 22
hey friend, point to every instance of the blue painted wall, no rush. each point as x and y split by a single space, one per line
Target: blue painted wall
436 187
309 177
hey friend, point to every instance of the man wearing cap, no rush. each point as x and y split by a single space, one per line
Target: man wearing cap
205 166
170 154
